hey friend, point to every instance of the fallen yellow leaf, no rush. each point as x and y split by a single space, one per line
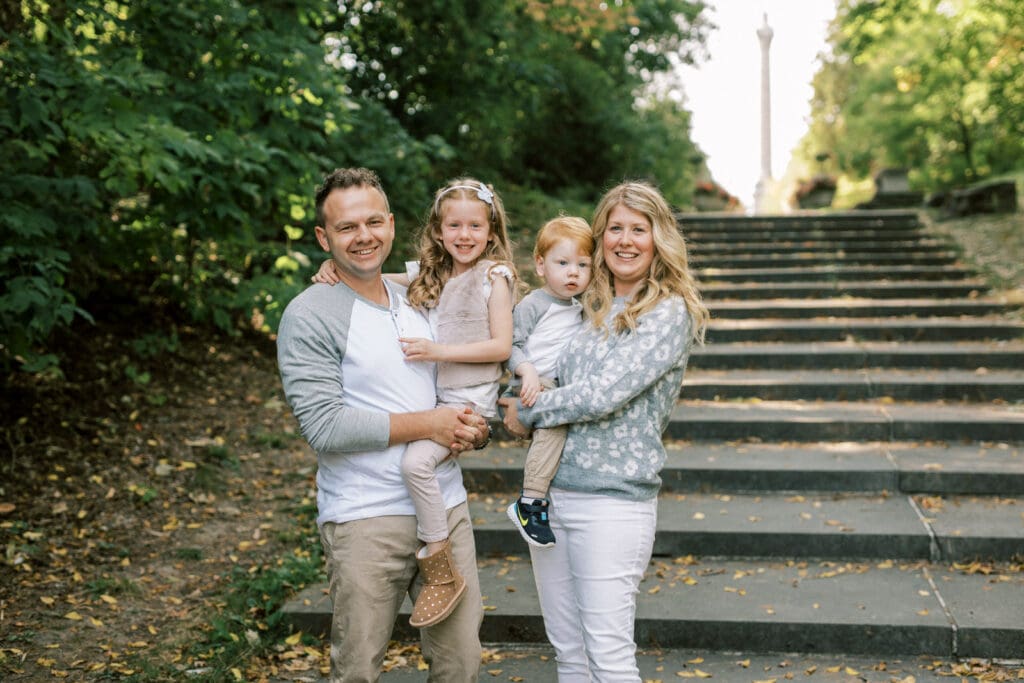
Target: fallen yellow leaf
73 616
294 638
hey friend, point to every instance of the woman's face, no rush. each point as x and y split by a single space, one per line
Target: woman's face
628 246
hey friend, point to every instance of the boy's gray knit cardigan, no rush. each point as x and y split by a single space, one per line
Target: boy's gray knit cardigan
617 391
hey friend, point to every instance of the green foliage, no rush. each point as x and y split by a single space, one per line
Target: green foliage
937 87
163 156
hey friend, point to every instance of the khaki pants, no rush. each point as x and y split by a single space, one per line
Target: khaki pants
543 457
545 452
371 566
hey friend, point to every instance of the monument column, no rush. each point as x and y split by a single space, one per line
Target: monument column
764 35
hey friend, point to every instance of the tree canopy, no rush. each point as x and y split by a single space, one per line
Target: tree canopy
936 86
161 158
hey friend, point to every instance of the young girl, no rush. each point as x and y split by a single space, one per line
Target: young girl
542 324
465 281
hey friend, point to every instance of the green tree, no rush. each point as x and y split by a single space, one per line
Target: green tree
933 85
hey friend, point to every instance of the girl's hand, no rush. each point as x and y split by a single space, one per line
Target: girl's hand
327 275
512 423
417 348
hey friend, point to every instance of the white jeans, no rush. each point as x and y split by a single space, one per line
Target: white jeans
589 580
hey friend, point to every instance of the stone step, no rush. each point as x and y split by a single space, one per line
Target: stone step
834 526
834 273
855 385
913 258
835 330
699 236
930 468
769 248
842 421
875 608
849 354
536 662
849 307
713 292
873 220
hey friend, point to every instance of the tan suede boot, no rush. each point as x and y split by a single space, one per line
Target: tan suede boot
443 587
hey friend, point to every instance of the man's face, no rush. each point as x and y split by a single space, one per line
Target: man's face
358 232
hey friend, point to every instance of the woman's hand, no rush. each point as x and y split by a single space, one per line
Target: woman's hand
417 348
327 275
512 423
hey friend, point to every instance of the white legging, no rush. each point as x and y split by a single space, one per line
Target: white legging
588 583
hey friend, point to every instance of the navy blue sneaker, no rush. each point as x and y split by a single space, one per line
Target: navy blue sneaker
532 521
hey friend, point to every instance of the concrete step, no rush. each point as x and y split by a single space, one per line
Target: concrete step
833 526
535 662
713 292
856 385
797 421
830 221
995 469
849 307
914 258
806 247
849 354
699 236
878 608
833 273
898 467
860 329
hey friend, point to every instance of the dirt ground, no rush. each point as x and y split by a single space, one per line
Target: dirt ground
125 502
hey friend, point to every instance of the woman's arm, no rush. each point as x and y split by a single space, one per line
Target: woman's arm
638 360
493 350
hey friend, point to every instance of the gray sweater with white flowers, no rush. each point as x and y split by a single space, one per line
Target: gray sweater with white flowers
616 392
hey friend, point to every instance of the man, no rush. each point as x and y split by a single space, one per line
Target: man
358 403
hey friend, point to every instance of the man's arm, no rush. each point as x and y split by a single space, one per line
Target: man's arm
459 430
311 376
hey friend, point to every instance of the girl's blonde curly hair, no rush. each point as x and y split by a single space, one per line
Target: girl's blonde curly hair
435 261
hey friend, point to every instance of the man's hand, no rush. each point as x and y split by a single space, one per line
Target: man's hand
512 423
475 433
460 430
531 384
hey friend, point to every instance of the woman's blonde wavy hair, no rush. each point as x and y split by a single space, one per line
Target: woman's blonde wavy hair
669 274
435 261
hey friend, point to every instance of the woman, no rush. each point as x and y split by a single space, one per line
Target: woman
618 381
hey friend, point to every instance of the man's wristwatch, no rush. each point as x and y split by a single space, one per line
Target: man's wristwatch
487 440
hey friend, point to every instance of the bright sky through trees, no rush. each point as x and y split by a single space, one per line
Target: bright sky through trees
724 93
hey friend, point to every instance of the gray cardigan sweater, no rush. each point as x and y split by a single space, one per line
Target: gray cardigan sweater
617 392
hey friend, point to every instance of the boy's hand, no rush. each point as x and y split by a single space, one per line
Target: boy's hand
327 275
531 384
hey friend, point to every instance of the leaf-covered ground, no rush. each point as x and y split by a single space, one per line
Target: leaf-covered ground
131 493
140 490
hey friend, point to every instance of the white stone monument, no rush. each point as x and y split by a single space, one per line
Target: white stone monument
764 35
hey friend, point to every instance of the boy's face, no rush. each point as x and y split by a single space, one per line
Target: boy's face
566 269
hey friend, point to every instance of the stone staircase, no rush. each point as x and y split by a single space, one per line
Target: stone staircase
846 461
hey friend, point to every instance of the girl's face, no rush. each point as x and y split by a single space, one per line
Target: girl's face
465 232
565 269
628 248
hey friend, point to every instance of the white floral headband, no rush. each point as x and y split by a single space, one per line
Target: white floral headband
482 193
